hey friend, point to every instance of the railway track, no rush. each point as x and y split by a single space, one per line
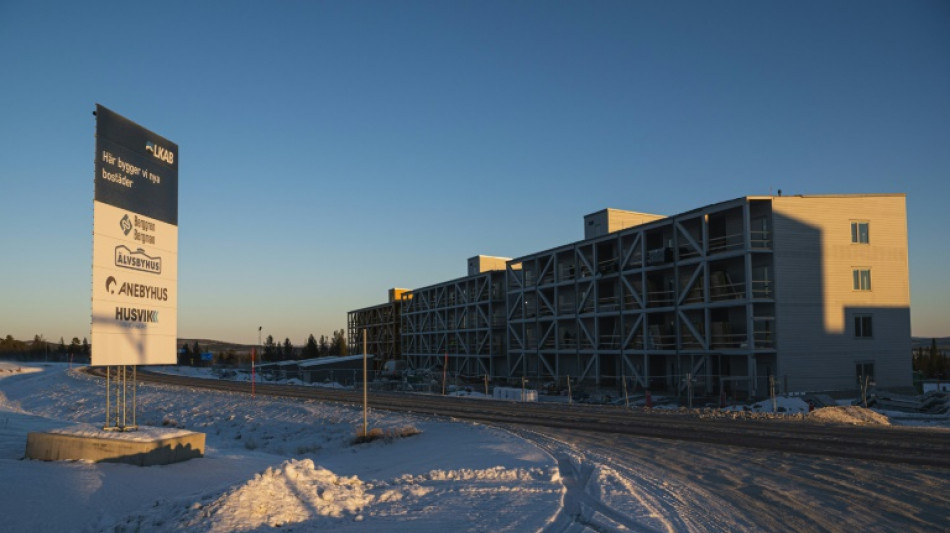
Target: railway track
914 446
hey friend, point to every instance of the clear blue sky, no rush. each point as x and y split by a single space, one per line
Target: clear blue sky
332 150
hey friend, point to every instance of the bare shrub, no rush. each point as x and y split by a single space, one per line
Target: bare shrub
387 435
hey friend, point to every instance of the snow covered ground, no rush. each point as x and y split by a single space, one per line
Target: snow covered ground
268 463
291 464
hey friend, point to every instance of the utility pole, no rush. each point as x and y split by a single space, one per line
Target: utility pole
864 390
253 377
365 388
626 398
689 389
772 393
445 367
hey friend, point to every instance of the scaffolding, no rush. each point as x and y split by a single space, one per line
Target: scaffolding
664 298
383 327
458 323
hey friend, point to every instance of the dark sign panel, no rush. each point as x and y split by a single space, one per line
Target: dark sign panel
136 169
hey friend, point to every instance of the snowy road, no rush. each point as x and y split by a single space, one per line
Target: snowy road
930 448
618 482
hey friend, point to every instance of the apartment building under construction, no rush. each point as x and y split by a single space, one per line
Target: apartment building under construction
461 321
380 326
811 292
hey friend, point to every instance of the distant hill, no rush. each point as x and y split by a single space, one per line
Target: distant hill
210 345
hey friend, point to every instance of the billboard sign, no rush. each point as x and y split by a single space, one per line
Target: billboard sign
135 245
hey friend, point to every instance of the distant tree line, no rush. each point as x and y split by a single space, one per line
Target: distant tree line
271 351
326 346
40 349
931 362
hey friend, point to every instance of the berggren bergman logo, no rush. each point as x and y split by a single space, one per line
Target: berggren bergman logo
137 260
125 224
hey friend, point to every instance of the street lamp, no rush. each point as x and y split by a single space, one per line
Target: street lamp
253 377
524 342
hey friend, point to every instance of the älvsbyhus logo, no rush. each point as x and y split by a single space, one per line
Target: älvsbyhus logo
137 260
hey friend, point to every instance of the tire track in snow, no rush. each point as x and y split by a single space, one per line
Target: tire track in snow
584 511
679 505
722 488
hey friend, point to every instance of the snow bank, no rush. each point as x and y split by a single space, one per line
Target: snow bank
469 394
498 473
301 493
240 374
8 368
850 414
784 404
296 491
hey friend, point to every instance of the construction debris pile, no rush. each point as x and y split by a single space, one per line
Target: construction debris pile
849 414
932 403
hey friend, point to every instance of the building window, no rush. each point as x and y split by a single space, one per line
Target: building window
862 279
860 232
862 326
865 373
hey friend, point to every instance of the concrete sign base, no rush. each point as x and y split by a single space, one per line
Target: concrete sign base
148 448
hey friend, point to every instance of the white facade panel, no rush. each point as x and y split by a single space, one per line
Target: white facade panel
816 302
135 288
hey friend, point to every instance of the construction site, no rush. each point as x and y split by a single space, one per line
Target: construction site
742 298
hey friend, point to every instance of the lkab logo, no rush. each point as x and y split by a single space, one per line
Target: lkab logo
164 154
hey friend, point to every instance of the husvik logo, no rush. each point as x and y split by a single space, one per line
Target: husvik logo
164 154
